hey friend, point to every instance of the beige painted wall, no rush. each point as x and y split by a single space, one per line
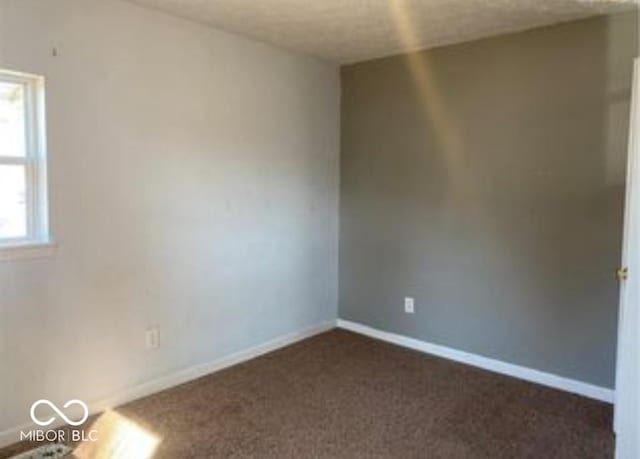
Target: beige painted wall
194 186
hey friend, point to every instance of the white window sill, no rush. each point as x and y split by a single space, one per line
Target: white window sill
26 251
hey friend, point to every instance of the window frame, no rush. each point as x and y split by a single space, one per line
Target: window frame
35 164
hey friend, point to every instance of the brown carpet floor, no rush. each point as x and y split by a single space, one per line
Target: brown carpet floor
340 395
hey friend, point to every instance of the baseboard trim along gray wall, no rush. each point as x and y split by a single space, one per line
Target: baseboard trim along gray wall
12 435
527 374
486 181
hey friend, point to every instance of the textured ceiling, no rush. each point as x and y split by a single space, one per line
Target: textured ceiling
347 31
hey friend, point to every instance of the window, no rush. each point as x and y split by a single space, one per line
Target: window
23 184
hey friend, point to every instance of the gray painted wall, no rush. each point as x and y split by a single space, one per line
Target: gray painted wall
486 180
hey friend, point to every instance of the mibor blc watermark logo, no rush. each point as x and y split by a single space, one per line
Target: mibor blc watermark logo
59 416
52 419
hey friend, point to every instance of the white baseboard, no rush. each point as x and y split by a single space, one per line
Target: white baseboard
486 363
12 435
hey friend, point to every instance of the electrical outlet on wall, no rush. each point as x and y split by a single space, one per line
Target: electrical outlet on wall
409 305
152 338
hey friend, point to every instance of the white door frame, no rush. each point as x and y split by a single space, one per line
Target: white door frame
627 406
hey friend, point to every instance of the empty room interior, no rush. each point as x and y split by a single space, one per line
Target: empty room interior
319 229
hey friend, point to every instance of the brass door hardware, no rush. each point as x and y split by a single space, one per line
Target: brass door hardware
622 274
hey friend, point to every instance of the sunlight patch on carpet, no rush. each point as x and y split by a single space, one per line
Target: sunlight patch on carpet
118 438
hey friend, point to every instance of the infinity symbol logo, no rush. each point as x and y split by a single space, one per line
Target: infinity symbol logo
58 412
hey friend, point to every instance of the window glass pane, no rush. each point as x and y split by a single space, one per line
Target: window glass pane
13 202
12 119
